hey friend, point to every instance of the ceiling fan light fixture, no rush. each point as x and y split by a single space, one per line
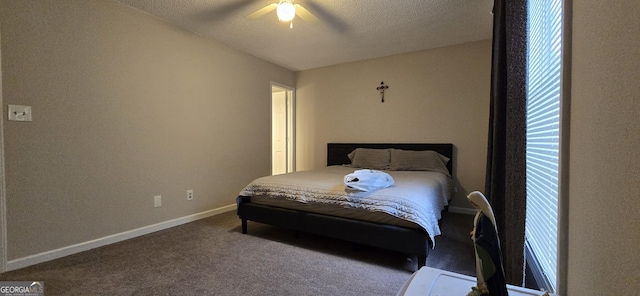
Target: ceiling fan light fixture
286 11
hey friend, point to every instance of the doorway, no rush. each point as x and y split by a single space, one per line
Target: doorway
282 129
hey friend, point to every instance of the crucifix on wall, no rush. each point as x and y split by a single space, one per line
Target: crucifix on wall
381 88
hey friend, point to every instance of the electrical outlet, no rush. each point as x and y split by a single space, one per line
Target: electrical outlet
157 201
190 194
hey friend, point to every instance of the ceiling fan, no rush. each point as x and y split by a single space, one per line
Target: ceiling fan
286 11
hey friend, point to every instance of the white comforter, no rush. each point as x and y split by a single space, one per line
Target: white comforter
416 196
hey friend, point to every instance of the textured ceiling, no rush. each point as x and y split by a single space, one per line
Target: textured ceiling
349 30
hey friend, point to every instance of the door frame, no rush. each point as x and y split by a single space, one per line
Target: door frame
3 199
291 124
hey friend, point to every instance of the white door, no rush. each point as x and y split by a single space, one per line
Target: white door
282 122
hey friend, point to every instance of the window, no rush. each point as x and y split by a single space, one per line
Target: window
544 50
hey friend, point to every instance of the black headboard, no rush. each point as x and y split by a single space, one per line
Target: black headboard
337 152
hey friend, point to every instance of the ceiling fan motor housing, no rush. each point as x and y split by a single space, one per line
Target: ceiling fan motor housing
286 11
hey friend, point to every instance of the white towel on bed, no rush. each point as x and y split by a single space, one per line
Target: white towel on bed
368 180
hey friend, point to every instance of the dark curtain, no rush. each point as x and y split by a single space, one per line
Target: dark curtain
505 185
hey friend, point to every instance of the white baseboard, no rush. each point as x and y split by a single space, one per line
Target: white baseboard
103 241
459 210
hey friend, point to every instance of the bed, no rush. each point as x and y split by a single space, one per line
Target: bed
409 231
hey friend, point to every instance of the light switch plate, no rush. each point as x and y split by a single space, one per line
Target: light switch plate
19 113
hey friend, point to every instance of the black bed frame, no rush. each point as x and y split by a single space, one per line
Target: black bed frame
411 241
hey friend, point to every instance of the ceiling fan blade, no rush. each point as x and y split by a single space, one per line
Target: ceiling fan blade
262 11
327 17
305 15
222 12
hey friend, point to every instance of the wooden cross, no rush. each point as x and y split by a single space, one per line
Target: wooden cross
381 88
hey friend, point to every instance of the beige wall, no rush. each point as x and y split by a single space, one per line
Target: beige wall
125 107
434 96
604 203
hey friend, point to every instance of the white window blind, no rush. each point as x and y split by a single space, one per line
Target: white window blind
543 129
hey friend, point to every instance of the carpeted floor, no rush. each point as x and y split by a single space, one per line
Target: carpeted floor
212 257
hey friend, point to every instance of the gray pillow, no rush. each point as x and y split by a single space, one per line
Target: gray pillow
366 158
406 160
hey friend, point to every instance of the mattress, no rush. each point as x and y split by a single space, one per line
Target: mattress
334 210
415 200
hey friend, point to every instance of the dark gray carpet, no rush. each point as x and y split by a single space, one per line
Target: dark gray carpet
212 257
